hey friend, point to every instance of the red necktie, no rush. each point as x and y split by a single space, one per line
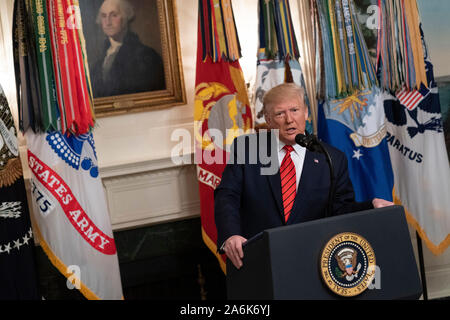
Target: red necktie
288 181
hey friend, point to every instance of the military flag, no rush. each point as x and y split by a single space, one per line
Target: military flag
278 53
351 116
70 210
18 276
222 110
415 130
56 116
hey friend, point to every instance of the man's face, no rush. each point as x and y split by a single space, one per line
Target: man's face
289 117
112 19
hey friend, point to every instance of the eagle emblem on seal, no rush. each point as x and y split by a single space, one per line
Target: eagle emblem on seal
347 260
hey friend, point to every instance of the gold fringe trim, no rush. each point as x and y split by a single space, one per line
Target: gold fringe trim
212 246
436 250
11 172
63 268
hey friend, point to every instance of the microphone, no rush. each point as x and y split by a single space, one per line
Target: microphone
308 141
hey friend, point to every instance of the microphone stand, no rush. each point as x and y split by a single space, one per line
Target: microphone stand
331 191
312 143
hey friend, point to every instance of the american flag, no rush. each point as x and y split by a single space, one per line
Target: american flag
411 98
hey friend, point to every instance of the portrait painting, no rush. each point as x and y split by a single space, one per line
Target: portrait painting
132 50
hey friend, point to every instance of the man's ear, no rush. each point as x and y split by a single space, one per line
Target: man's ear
267 117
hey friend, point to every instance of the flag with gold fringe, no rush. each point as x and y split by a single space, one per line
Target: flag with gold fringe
18 276
278 54
222 110
56 116
351 116
415 129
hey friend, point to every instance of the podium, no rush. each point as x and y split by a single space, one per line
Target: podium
286 263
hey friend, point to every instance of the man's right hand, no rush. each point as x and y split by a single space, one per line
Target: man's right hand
233 250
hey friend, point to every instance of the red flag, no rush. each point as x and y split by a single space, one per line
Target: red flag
221 112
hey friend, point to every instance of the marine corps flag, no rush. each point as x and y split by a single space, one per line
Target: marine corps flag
222 109
18 279
55 109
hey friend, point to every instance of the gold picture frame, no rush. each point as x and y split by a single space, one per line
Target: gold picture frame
165 41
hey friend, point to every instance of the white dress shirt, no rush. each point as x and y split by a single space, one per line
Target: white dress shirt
297 156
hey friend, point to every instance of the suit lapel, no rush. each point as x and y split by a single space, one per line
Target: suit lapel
307 178
275 186
275 179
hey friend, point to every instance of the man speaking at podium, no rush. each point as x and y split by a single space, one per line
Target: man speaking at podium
248 201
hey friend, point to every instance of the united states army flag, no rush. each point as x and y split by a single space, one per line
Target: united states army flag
69 207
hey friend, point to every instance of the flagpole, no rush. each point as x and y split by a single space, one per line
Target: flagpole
422 266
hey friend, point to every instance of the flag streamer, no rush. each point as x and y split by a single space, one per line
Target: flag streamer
400 59
344 66
51 67
276 32
219 37
278 54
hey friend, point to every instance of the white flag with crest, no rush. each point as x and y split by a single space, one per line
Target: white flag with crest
71 214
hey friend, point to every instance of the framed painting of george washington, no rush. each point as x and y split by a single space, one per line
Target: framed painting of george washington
133 54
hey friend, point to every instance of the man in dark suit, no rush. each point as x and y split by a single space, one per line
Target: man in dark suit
126 64
248 200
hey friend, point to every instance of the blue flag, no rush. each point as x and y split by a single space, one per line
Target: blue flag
356 125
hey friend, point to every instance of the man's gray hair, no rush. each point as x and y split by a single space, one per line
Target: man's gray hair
125 8
282 93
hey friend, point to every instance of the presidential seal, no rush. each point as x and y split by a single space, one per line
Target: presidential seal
347 264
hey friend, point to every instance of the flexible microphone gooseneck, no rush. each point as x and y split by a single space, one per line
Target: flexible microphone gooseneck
312 143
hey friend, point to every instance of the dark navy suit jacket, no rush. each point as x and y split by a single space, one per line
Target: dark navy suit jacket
247 202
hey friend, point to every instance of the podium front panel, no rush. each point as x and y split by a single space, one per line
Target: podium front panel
294 253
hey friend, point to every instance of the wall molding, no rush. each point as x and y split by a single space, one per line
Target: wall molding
149 192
